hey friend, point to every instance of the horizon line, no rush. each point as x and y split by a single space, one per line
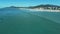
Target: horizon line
30 6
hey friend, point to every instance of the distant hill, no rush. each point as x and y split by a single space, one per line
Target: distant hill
47 5
9 8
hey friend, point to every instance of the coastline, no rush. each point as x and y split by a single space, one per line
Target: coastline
41 10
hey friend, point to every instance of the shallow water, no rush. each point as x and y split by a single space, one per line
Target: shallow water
23 22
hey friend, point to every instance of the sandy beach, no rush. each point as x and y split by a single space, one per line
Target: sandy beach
42 10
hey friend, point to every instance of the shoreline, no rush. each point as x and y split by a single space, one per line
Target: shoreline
41 10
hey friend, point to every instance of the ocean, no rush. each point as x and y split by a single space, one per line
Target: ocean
29 22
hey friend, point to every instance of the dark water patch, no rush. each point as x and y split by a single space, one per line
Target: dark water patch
1 20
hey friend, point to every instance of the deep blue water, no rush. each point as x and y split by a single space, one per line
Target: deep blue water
28 22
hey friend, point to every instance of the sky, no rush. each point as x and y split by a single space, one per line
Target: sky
26 3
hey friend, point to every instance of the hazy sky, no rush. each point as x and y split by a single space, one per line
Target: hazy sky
6 3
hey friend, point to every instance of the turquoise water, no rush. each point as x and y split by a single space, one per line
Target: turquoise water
25 22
